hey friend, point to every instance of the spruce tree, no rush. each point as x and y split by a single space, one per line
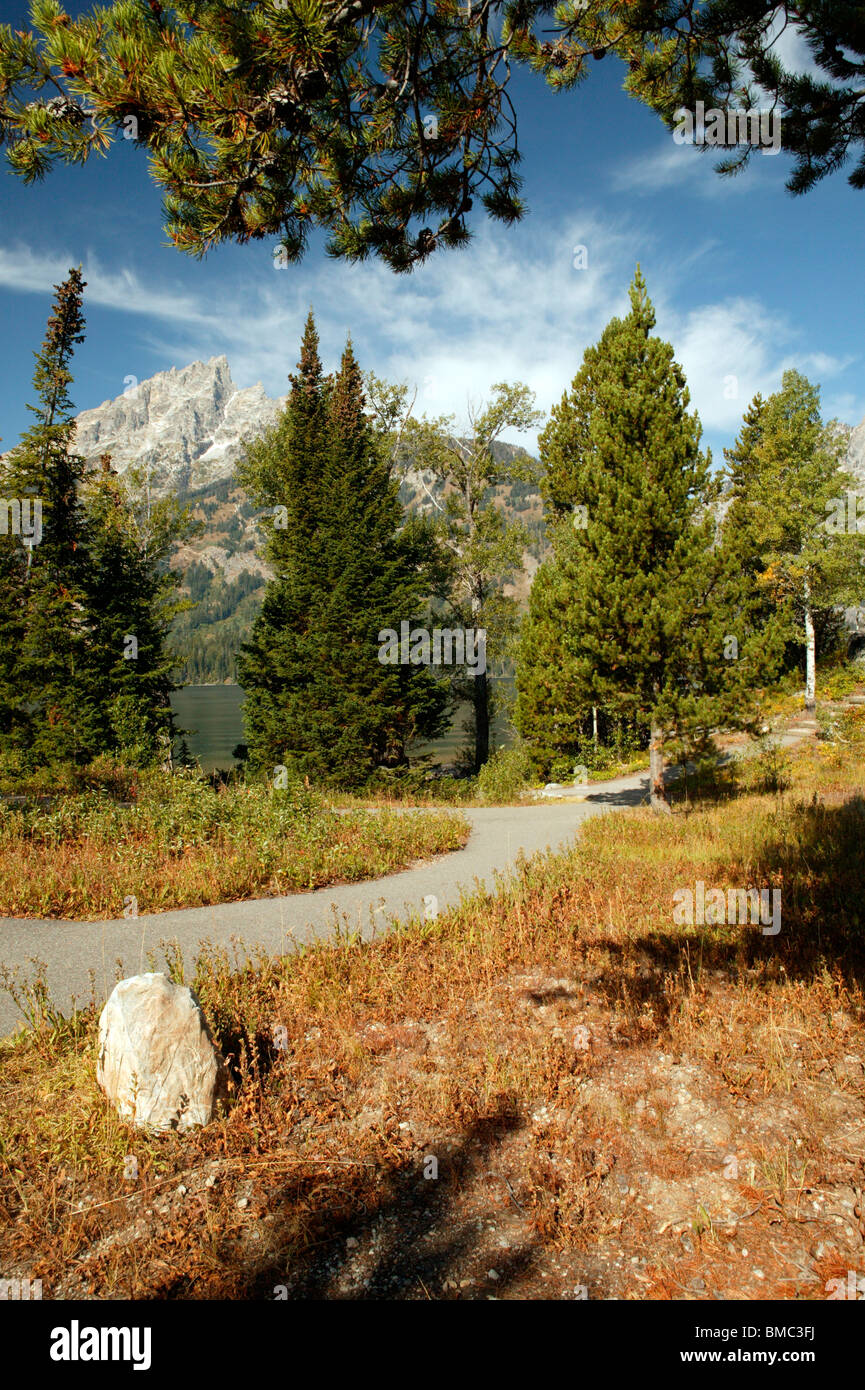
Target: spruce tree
657 624
282 471
13 577
55 717
346 566
85 608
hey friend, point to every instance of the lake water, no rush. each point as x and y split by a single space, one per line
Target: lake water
211 714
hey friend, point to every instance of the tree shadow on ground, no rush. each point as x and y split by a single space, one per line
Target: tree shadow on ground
628 796
817 862
415 1230
407 1232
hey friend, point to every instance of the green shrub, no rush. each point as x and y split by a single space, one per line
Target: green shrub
770 768
505 775
837 681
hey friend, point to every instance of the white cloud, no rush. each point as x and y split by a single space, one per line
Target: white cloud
818 364
725 352
512 307
688 167
21 268
732 350
843 405
791 48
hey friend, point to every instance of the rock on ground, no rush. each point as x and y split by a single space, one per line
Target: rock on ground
157 1061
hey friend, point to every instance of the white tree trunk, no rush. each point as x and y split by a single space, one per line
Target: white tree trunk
595 725
810 653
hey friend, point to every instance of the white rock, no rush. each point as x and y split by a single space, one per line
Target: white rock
157 1061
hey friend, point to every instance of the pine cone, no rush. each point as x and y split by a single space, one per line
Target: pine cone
65 109
281 102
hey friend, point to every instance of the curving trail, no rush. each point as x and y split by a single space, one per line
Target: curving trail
499 834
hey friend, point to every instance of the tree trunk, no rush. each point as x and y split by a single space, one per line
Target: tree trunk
482 719
810 654
657 790
595 725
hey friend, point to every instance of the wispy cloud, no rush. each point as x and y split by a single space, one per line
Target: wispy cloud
689 168
514 307
22 268
791 47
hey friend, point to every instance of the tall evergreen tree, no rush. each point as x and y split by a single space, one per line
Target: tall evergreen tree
13 577
56 715
84 609
658 623
346 567
549 710
132 599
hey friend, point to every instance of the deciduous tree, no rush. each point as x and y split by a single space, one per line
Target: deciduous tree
794 513
485 549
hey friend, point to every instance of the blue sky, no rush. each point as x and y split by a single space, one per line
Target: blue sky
746 280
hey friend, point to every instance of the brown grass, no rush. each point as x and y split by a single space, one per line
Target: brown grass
91 877
614 1103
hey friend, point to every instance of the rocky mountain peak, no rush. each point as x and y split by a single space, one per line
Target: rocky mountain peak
187 425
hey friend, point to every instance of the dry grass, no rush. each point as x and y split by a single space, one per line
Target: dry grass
84 856
611 1101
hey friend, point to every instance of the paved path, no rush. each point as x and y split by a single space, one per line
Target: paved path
499 834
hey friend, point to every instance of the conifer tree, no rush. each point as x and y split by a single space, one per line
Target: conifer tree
282 470
85 607
346 568
13 577
658 623
549 711
51 664
386 125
